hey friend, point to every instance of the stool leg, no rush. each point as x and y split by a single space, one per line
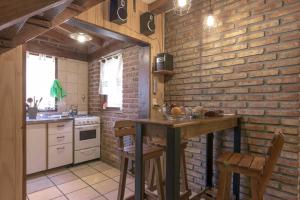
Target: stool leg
183 171
159 182
224 184
122 182
255 194
151 175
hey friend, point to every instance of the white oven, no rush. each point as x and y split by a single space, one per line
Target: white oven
87 136
86 139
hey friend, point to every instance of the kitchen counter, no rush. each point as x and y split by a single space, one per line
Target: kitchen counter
47 120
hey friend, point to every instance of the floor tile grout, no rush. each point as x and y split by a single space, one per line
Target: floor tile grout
69 170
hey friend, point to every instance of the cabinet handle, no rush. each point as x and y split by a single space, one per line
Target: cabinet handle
60 126
60 148
60 137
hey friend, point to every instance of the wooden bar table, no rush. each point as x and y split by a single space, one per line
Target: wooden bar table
174 131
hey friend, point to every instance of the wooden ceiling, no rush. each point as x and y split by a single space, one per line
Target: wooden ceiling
21 21
57 42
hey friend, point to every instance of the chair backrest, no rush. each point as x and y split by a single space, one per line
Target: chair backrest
272 157
124 128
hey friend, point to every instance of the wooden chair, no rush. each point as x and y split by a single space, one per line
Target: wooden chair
127 128
258 168
186 192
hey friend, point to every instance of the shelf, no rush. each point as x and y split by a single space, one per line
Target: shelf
164 72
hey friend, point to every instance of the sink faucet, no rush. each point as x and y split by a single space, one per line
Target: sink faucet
73 110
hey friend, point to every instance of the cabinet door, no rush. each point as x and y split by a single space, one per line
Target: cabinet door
36 146
60 155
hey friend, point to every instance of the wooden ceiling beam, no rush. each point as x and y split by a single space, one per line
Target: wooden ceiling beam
160 6
6 43
39 22
100 31
51 13
11 31
44 48
30 31
111 47
15 11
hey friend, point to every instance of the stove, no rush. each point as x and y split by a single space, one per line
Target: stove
86 138
86 120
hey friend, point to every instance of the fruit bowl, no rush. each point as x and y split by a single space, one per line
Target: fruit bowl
169 116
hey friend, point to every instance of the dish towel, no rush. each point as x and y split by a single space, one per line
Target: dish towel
57 91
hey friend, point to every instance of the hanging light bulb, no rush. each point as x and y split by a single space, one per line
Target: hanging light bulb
210 20
182 7
182 3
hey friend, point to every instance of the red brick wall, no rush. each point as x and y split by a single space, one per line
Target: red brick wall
130 102
249 65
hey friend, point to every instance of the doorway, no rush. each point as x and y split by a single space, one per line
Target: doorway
52 181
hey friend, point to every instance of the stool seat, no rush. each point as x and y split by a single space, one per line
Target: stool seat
243 163
149 152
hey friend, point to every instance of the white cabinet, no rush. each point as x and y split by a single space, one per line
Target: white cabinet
36 146
60 155
60 144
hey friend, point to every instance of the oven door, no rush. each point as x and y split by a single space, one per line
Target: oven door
87 136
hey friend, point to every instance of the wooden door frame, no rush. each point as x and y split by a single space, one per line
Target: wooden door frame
108 33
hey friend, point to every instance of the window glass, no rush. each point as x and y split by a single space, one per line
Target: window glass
111 78
40 74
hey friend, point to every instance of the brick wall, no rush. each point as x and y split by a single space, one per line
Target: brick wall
130 102
249 65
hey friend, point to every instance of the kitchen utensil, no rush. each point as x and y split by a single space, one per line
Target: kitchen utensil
29 100
39 101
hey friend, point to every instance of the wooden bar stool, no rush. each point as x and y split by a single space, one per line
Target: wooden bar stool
258 168
127 128
159 142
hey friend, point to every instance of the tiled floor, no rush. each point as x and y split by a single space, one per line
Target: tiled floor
91 181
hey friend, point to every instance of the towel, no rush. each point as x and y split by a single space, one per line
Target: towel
57 91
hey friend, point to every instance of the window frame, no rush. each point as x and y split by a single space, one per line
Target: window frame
56 76
111 108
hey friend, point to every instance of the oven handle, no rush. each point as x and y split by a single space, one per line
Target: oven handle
87 127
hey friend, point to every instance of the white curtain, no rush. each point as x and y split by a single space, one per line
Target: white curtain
111 80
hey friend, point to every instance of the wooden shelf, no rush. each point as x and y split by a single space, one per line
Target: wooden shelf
164 72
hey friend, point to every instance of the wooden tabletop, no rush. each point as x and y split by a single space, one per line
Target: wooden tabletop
185 122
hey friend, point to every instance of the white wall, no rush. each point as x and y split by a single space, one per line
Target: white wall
73 75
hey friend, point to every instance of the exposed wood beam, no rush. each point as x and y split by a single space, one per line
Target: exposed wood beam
160 6
111 47
11 31
96 30
50 14
44 48
15 11
31 31
6 43
39 22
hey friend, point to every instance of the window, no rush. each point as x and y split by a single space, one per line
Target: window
40 74
111 72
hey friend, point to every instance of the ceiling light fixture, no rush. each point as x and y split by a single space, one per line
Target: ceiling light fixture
182 7
81 37
210 21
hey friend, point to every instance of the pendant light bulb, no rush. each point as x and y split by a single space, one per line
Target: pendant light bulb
210 21
182 3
